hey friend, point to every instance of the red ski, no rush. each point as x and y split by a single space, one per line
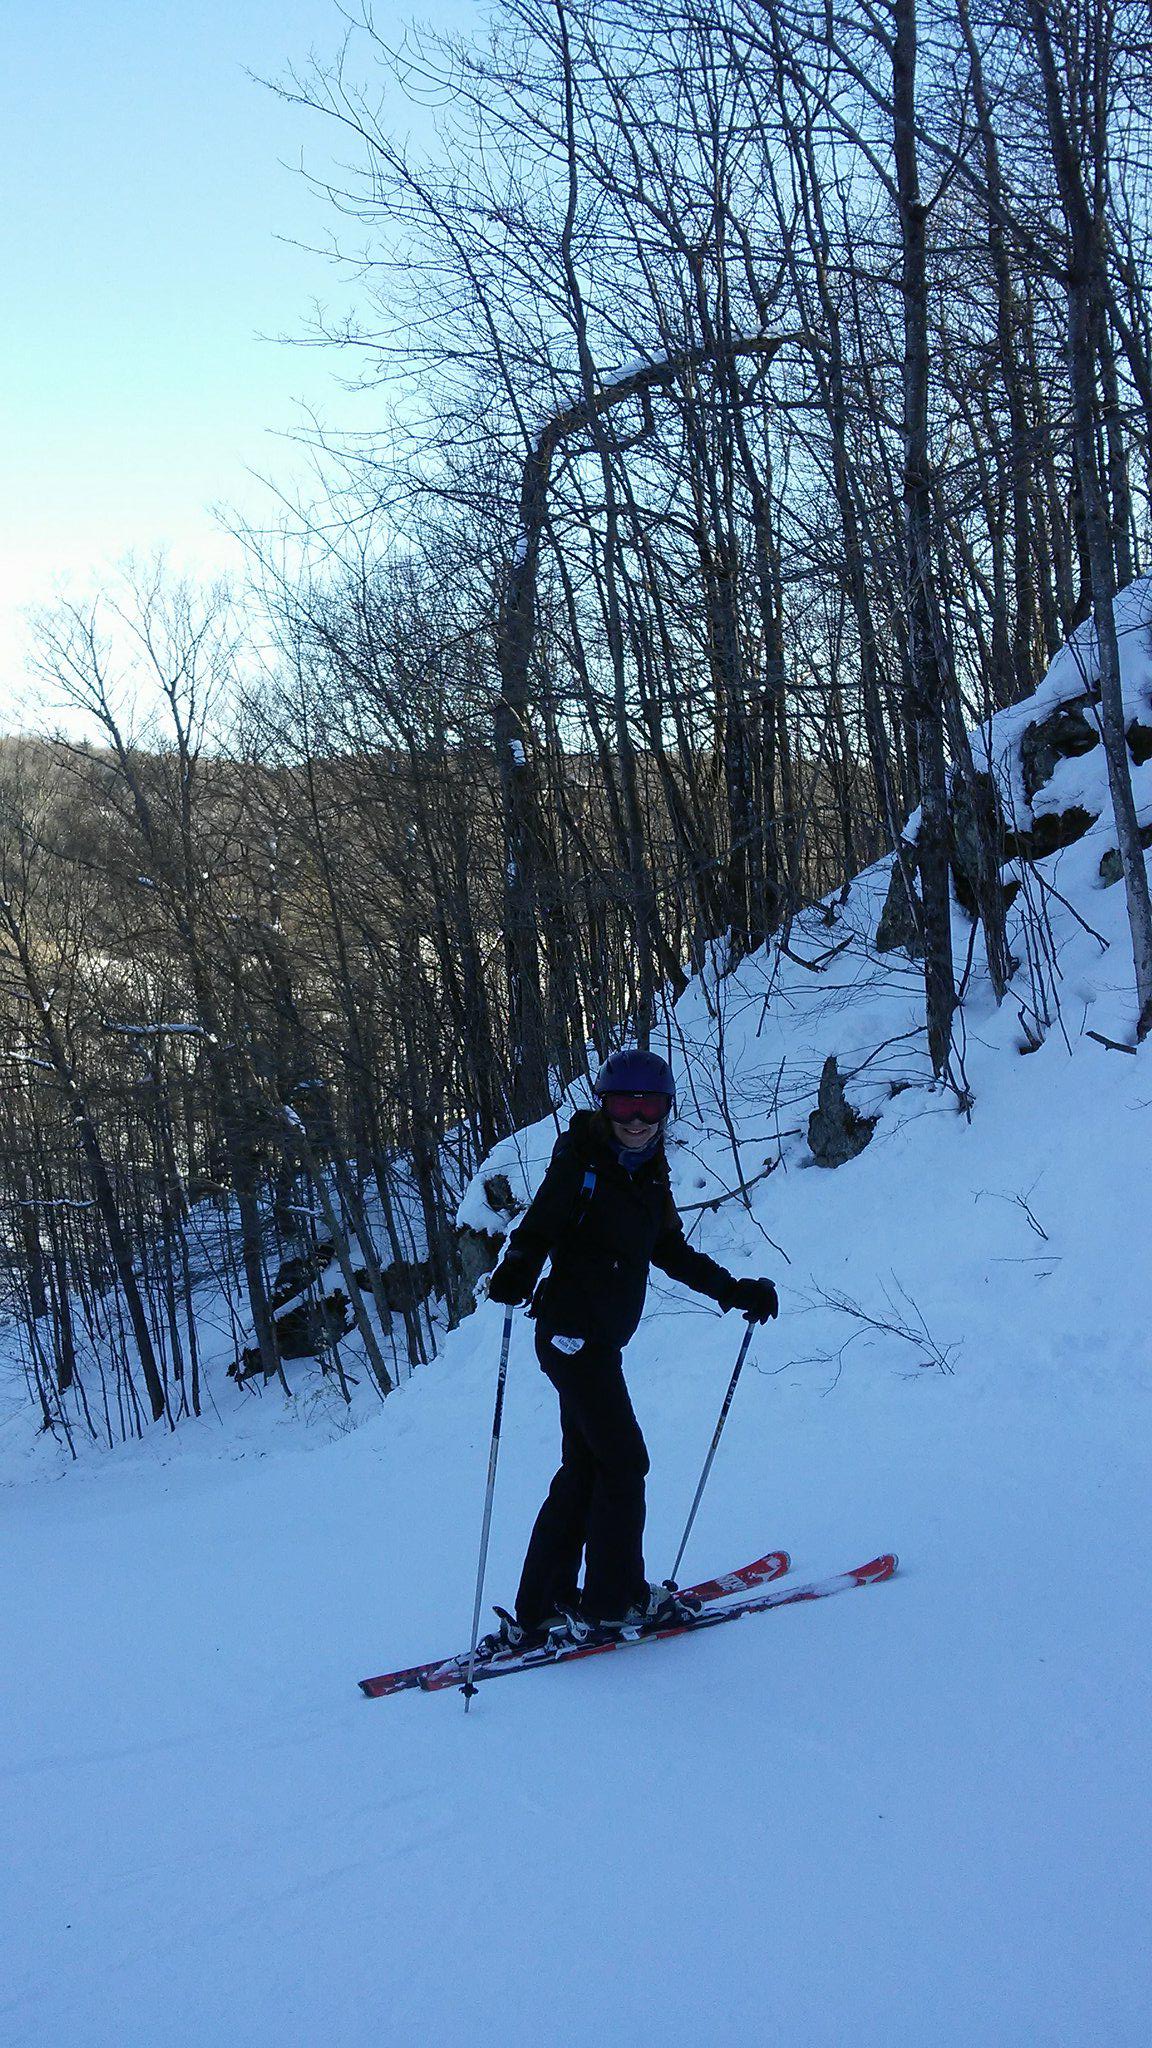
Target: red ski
455 1670
761 1572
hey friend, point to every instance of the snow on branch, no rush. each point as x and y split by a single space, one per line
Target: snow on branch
160 1030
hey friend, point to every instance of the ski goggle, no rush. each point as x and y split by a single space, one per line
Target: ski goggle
651 1109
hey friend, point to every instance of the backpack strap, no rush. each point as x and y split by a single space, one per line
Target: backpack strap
584 1198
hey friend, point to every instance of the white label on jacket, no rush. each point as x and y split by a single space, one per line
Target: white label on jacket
568 1345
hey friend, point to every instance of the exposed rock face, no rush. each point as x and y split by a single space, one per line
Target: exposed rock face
406 1282
1111 866
899 925
478 1250
295 1274
836 1131
1051 831
1139 738
1066 732
305 1332
477 1253
314 1326
499 1196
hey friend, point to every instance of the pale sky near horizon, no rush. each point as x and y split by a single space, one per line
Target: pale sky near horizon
148 189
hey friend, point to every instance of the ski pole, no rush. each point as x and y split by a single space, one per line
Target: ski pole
712 1448
493 1454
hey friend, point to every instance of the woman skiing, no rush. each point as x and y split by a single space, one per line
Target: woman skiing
605 1213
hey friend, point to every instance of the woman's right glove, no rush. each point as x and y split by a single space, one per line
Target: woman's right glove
511 1282
757 1299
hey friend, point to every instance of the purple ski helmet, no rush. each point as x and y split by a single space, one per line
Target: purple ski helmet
632 1072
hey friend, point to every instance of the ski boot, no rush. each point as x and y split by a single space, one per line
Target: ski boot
667 1605
662 1607
511 1639
570 1629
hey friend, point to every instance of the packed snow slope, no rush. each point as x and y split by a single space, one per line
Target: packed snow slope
911 1817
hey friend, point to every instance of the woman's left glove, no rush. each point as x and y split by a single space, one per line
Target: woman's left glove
512 1281
757 1299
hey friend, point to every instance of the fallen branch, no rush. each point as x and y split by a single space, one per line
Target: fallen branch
1091 930
1112 1043
715 1202
818 965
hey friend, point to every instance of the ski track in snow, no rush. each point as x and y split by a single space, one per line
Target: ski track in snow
913 1817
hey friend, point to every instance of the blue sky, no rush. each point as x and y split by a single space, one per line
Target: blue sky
147 184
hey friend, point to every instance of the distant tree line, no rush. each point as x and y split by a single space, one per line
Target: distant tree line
757 397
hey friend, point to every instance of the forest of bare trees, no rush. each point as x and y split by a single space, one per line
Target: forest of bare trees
755 397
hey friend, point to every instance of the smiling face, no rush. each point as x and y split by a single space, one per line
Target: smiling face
633 1135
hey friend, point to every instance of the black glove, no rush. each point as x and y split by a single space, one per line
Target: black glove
512 1282
756 1298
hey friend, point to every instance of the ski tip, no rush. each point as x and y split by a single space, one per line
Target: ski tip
882 1567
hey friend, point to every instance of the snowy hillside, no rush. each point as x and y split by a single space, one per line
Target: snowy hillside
916 1817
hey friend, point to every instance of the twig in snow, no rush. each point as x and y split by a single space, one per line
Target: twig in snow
1112 1044
894 1324
1091 930
1021 1202
736 1194
818 965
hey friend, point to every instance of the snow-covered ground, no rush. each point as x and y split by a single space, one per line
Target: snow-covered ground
912 1817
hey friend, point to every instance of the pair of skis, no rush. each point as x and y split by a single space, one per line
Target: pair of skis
750 1590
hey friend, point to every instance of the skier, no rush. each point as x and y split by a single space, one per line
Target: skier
605 1213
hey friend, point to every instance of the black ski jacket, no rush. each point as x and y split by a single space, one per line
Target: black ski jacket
603 1244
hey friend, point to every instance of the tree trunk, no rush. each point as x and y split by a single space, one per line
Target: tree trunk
1086 313
924 682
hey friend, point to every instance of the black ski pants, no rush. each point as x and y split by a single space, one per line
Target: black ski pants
595 1504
